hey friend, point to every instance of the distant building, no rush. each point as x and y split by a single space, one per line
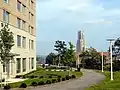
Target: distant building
80 46
107 55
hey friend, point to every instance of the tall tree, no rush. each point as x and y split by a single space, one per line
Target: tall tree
70 55
60 47
51 59
6 44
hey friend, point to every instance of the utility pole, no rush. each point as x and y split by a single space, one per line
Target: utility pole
102 62
110 40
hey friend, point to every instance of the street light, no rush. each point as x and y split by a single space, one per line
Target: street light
110 40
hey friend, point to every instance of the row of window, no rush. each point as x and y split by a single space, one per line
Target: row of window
23 43
24 64
21 24
31 4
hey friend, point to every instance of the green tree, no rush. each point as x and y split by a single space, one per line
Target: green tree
6 44
51 59
60 47
91 59
70 55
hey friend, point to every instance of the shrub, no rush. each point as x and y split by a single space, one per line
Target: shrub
24 76
7 87
41 83
59 76
54 81
41 77
70 77
63 79
34 84
67 77
23 85
3 80
73 76
50 76
58 79
48 82
32 77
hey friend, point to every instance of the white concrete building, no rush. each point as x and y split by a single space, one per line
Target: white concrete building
21 17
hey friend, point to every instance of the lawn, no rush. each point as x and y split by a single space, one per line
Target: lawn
107 84
46 75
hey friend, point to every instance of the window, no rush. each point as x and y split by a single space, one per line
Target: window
24 64
18 40
24 42
32 63
19 6
32 44
32 17
29 16
29 43
18 22
3 68
29 28
18 65
32 4
23 8
6 16
23 25
29 64
6 1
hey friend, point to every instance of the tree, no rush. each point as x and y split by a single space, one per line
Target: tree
91 59
6 44
51 59
60 47
70 55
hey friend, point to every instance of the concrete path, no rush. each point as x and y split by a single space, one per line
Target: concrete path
88 79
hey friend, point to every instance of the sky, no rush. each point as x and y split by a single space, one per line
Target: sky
62 19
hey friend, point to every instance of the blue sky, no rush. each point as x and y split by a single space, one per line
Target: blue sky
61 20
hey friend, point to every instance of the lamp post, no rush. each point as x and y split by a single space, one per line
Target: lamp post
102 61
110 40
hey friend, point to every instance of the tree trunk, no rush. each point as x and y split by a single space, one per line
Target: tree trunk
8 70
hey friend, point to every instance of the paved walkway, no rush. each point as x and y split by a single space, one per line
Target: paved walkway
88 79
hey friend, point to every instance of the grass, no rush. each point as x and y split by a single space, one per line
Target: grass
107 84
45 74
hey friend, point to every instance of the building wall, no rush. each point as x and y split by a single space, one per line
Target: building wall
26 52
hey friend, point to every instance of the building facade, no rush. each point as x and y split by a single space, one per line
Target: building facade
21 18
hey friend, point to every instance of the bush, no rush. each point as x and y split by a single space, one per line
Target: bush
41 83
24 76
63 79
50 76
41 77
73 76
70 77
58 79
23 85
67 77
3 80
59 76
32 77
7 87
48 82
34 84
54 80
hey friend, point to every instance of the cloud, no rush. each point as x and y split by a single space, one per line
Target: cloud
100 21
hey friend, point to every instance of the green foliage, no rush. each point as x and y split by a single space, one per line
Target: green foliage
23 85
51 59
41 83
91 59
34 84
60 47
